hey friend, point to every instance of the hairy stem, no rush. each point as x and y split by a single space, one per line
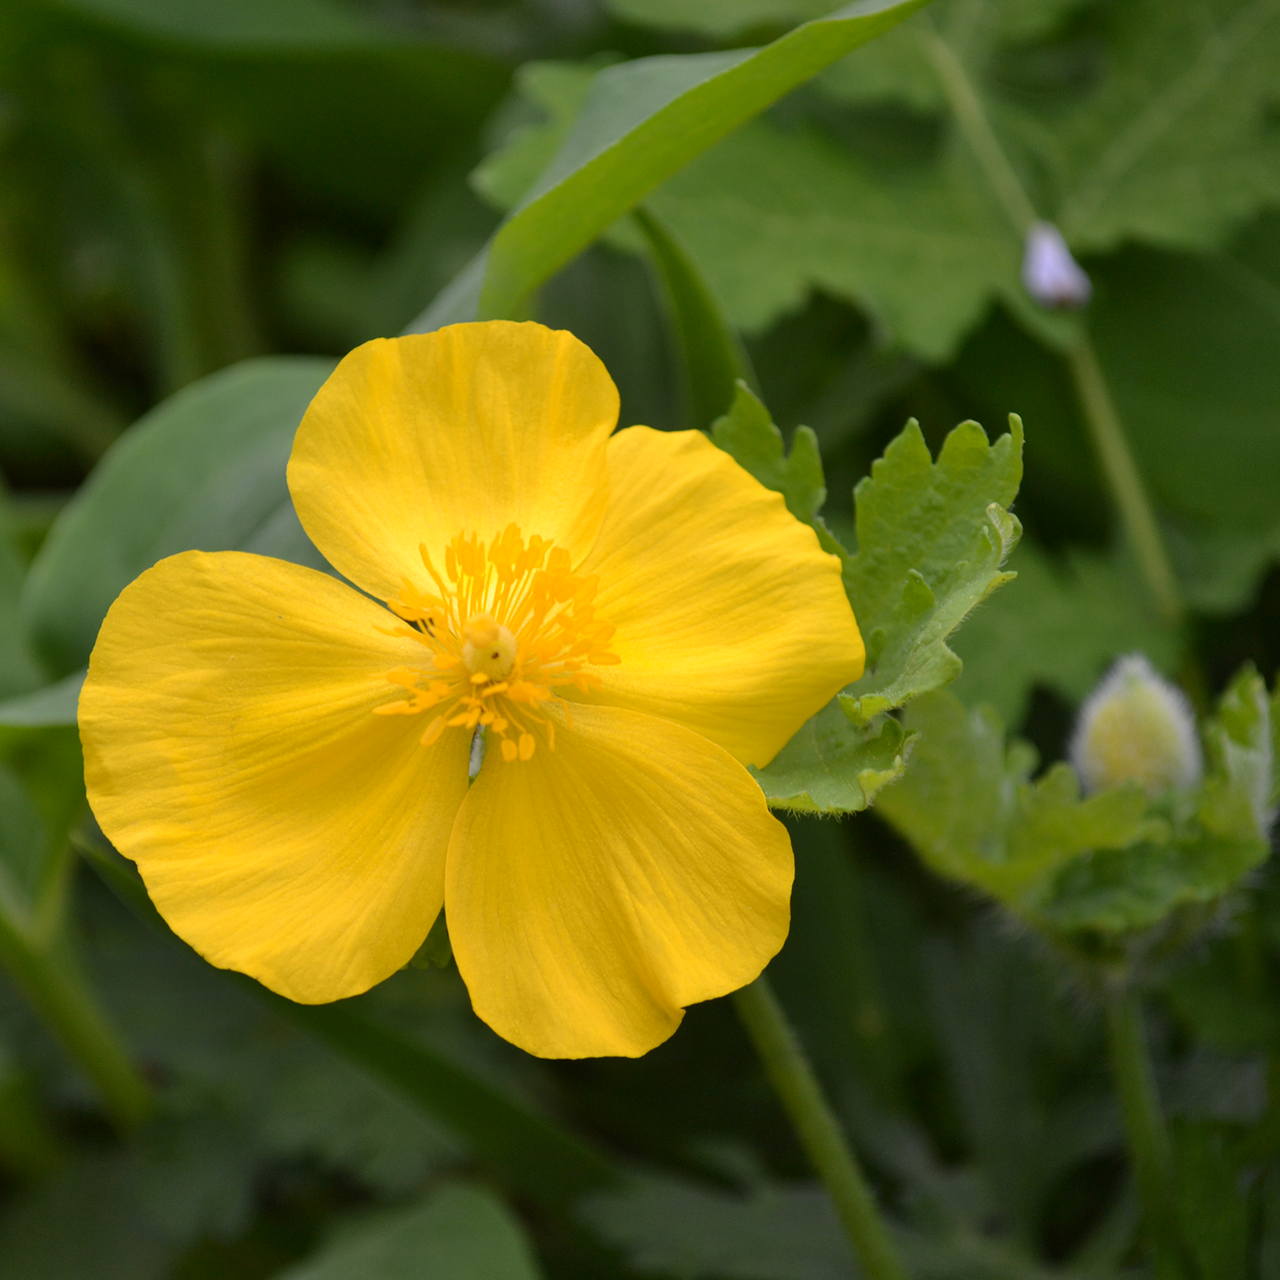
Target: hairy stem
1123 479
819 1131
1150 1152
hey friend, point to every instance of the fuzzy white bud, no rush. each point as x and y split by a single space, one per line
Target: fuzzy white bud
1051 275
1136 727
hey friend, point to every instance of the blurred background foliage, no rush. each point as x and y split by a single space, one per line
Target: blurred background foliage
186 184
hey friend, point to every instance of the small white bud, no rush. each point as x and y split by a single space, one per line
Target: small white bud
1135 726
477 754
1049 272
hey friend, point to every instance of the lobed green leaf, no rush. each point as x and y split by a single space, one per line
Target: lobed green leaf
1115 862
931 542
833 766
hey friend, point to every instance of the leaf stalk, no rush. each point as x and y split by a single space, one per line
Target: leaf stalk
57 991
1124 479
815 1124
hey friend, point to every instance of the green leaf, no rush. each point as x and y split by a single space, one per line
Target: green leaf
1168 144
931 540
641 122
556 90
55 704
772 212
1172 147
205 470
1060 627
716 18
460 1233
969 810
833 766
715 360
746 432
1109 864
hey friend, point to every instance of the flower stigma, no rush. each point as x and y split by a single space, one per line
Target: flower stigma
507 625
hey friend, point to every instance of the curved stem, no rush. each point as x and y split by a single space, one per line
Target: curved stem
57 991
1123 478
816 1126
977 130
1100 414
1149 1149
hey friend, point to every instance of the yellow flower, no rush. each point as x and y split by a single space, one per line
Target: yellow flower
631 617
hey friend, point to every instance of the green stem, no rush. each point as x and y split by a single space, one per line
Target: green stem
818 1129
1149 1149
1123 478
977 130
1095 399
58 993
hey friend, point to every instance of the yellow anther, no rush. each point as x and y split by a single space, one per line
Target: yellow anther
506 627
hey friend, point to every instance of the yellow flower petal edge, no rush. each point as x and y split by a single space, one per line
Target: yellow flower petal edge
730 619
231 751
594 892
415 440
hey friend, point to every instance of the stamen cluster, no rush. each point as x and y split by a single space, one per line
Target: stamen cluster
507 625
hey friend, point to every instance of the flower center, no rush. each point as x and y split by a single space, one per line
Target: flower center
505 627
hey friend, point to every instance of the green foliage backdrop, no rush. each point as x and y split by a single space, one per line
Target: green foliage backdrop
800 229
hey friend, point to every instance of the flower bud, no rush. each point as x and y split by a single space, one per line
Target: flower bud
1049 272
1136 727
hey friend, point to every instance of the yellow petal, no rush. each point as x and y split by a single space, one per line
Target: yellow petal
414 440
594 891
731 619
232 751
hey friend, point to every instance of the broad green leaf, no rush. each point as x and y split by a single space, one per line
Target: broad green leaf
642 121
1060 627
715 360
931 541
1172 148
204 470
55 704
833 766
748 434
557 91
460 1233
770 213
717 18
1167 144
